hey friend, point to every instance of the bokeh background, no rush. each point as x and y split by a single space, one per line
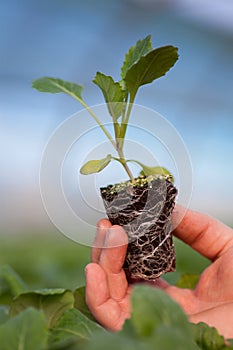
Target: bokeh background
73 39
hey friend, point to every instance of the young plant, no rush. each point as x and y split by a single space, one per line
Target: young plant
127 203
142 65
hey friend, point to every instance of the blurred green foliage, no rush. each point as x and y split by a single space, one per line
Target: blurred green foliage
45 260
50 260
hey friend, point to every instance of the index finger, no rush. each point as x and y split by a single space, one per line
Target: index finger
208 236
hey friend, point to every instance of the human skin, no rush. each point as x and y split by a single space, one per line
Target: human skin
108 292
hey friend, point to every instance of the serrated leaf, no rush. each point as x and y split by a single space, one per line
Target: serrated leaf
113 94
135 53
73 324
188 280
95 166
53 302
26 331
207 337
80 302
55 85
153 65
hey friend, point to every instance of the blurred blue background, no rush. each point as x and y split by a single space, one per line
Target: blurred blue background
73 39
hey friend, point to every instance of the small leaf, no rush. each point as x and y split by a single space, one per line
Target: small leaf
26 331
113 94
135 53
153 65
154 170
95 166
188 280
53 302
73 324
55 85
80 302
207 337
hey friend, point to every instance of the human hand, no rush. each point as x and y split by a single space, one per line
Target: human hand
108 293
212 299
107 289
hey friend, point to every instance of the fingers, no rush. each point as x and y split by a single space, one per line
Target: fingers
106 310
203 233
112 259
109 252
102 227
113 255
97 292
107 291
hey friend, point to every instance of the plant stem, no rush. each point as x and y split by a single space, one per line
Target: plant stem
124 163
125 120
97 120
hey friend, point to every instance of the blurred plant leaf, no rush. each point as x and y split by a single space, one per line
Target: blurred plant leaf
26 331
95 166
135 53
169 338
153 65
188 280
53 302
117 341
4 314
113 94
11 282
73 325
80 302
55 85
208 337
153 308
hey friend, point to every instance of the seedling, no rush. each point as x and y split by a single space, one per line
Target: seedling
142 65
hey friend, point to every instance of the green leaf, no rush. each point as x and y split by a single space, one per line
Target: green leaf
154 170
4 314
153 65
207 337
95 166
135 53
188 280
11 282
26 331
80 302
55 85
169 338
113 94
73 324
153 308
53 302
117 341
